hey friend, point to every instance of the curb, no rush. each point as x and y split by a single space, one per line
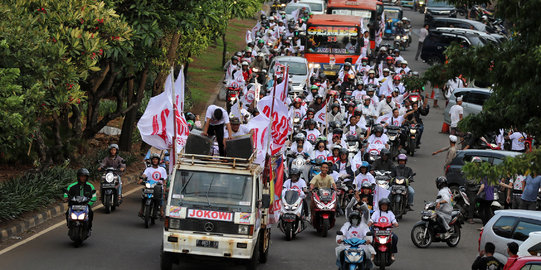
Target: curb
52 212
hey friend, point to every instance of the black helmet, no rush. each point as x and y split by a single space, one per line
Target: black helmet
294 171
263 17
333 125
310 110
384 201
378 128
441 181
310 122
354 218
299 137
153 156
384 152
335 105
234 57
83 171
189 116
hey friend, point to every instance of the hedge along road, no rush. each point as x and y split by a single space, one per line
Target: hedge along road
120 241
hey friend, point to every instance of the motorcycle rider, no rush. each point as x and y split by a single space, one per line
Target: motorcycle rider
246 71
378 137
113 160
82 188
295 182
415 117
300 140
343 165
444 206
355 227
384 215
260 62
405 171
335 114
384 163
156 173
367 107
364 176
386 106
323 180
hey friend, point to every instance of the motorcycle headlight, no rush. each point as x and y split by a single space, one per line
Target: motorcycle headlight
244 229
399 181
405 37
354 256
109 178
413 131
397 38
296 120
73 216
392 137
81 216
148 185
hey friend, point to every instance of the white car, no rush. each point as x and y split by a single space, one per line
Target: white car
472 101
316 6
298 71
533 239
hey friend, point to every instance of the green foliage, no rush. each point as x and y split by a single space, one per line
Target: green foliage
520 165
33 191
414 83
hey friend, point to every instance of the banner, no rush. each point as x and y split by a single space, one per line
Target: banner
379 193
248 37
259 125
281 89
235 111
280 121
321 115
276 184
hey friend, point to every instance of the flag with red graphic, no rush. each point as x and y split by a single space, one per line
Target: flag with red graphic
321 115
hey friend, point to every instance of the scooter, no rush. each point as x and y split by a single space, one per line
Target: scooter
430 229
399 195
393 133
324 208
382 244
291 214
411 141
151 195
355 258
78 219
109 189
232 96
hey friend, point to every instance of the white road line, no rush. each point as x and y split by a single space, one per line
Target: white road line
5 250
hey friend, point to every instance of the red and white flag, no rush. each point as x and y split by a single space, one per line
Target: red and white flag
281 89
248 37
321 116
280 121
259 125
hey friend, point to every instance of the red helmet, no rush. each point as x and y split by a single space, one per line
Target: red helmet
297 100
396 78
390 58
364 59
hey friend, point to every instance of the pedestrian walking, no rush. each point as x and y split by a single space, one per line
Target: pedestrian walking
422 35
485 196
451 151
528 200
456 113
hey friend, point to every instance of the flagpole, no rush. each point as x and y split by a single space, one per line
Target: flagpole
173 102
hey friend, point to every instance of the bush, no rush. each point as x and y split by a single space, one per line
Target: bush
33 190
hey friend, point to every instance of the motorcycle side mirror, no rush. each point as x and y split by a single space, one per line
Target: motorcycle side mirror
414 174
439 197
265 200
339 233
369 234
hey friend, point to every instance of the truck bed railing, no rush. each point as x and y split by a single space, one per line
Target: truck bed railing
216 161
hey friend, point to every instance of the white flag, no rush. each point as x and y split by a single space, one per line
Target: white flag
280 121
379 193
248 37
281 89
235 111
321 116
259 125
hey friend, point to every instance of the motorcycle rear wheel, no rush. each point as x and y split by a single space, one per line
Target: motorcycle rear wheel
417 236
107 204
455 238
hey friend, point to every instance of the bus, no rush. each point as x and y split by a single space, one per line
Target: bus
330 40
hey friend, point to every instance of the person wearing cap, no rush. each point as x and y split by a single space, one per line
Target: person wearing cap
237 128
371 79
216 119
456 113
246 71
451 151
367 107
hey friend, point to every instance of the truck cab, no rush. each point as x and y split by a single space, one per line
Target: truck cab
217 207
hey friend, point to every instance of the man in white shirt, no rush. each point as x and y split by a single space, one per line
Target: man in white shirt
422 35
386 106
456 112
216 118
384 215
237 128
517 141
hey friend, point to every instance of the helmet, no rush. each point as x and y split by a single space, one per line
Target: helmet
347 64
153 156
245 63
386 70
476 160
238 54
384 201
484 17
336 146
114 145
378 128
366 97
299 137
396 78
389 58
364 164
343 151
314 87
354 218
310 110
371 71
189 116
402 157
396 51
334 105
83 171
321 139
440 181
234 57
384 152
318 96
383 49
415 74
310 122
364 59
263 17
294 171
366 184
404 62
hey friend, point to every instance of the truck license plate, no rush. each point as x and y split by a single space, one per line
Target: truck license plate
206 244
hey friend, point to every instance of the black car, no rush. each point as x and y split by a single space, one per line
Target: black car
459 23
437 41
435 8
453 172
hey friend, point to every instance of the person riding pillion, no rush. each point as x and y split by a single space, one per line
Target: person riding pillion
113 160
444 207
82 188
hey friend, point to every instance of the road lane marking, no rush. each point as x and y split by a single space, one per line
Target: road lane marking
5 250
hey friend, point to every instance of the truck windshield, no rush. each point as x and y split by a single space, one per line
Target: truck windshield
333 40
231 192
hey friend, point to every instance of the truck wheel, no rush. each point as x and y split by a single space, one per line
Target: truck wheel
252 263
265 246
166 261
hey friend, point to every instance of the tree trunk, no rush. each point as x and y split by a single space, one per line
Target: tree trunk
171 57
224 51
128 125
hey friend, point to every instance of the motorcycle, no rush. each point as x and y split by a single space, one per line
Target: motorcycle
430 229
382 244
383 178
414 97
352 142
232 96
299 161
393 133
401 42
372 152
462 201
399 195
411 141
261 75
152 195
344 192
291 214
354 255
78 219
324 201
109 189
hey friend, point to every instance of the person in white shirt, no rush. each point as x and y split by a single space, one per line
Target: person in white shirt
359 92
378 139
444 206
367 107
321 152
299 139
355 227
237 128
216 118
384 215
371 79
363 176
386 106
517 141
395 120
517 183
456 112
423 33
312 133
156 173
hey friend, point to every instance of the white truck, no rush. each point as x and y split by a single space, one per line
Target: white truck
216 207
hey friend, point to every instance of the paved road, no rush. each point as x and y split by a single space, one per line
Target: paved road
120 241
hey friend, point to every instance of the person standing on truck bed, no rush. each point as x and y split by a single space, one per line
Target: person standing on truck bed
216 118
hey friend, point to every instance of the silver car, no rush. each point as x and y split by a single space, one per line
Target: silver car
472 101
294 6
509 226
298 71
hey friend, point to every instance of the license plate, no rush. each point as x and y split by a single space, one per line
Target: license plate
329 73
206 243
148 191
383 232
79 207
107 185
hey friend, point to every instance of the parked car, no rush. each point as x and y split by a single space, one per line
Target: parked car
459 23
408 3
473 100
526 263
485 37
294 6
453 172
509 226
440 38
435 8
298 71
316 6
533 242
